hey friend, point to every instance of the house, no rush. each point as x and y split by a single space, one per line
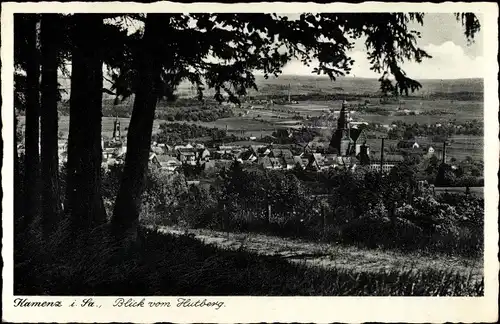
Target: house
167 163
306 158
330 161
236 152
288 163
186 156
209 165
203 154
248 155
157 150
283 153
255 149
265 162
227 148
264 151
108 153
315 144
223 164
298 162
390 160
316 162
408 144
276 163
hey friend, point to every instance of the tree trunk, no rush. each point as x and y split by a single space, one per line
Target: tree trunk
128 201
83 194
51 206
32 125
392 213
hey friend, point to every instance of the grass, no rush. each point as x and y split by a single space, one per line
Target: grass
330 256
171 265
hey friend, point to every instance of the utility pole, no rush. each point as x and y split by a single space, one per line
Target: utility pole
289 90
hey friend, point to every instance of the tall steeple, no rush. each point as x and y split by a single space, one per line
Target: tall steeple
343 122
341 140
116 129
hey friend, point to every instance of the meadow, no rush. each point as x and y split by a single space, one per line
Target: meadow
193 268
331 256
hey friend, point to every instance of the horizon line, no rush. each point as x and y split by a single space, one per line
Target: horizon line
366 78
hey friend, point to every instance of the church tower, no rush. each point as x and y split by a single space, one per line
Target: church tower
116 130
341 139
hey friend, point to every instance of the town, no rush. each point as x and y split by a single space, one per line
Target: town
347 149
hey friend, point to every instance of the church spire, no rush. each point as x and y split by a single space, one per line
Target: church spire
116 129
342 121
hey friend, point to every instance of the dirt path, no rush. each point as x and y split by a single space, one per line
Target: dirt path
330 255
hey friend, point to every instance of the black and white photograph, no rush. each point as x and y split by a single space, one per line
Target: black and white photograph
231 153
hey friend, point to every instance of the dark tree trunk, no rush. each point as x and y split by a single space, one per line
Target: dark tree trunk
83 191
51 207
392 213
32 125
128 201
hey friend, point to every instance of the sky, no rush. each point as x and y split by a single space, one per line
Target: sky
442 37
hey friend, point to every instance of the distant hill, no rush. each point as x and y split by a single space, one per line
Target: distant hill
359 86
300 85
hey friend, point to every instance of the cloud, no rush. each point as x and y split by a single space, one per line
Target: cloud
449 61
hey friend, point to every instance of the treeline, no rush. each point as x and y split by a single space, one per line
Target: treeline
404 130
458 96
186 110
203 114
174 133
325 96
